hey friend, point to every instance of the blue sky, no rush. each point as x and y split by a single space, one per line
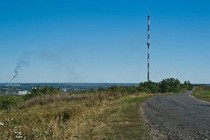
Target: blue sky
104 40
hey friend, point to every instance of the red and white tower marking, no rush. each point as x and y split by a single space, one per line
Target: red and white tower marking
148 47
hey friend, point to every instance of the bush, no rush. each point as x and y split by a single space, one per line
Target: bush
170 85
150 87
8 101
39 91
166 85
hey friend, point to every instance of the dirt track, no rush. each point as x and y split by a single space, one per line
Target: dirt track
179 117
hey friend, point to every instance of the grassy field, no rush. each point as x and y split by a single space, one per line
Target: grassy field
96 116
202 93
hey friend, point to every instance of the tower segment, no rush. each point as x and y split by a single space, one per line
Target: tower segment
148 47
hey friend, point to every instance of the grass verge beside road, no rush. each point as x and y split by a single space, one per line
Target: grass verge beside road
202 93
98 116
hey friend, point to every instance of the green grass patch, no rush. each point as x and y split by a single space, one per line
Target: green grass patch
204 95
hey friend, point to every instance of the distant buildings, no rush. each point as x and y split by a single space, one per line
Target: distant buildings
12 89
23 92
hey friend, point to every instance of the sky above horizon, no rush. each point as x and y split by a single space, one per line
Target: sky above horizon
104 40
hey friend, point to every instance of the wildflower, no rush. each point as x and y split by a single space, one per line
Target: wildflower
18 133
19 137
1 124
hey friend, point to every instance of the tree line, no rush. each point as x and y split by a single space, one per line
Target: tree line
165 86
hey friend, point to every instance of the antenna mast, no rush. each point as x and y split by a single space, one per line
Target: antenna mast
148 47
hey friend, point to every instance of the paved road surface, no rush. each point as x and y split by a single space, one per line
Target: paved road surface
179 117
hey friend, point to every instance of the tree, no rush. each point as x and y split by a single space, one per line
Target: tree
170 85
188 85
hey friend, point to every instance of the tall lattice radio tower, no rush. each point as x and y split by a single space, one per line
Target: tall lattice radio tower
148 46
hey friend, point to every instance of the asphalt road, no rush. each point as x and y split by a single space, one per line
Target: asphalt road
179 117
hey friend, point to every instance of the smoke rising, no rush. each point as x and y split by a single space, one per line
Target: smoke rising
65 72
22 61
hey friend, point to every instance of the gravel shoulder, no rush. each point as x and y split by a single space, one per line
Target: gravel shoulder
178 117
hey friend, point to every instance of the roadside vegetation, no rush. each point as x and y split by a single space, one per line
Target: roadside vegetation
48 113
202 92
97 115
169 85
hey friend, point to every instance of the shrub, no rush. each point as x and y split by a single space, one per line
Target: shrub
170 85
150 87
8 101
166 85
39 91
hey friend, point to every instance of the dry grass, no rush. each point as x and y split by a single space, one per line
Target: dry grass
96 116
43 100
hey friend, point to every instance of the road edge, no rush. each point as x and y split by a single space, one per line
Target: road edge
154 133
198 99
